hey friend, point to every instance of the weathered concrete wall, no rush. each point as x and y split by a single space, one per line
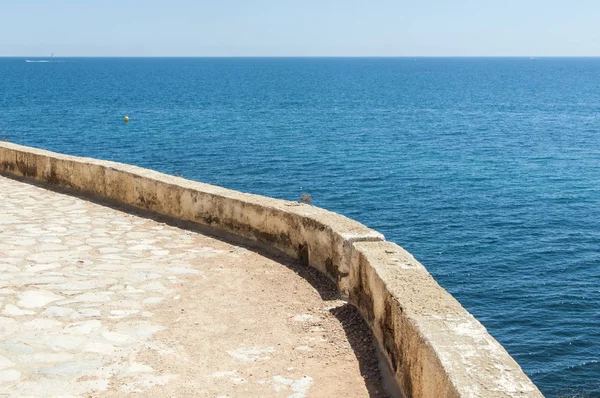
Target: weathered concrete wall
434 347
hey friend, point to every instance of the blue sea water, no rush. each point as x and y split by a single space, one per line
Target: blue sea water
487 170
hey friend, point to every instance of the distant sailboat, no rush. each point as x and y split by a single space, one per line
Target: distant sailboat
42 60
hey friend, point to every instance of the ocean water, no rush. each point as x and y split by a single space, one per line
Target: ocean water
487 170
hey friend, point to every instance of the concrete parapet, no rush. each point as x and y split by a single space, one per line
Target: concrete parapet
433 345
435 348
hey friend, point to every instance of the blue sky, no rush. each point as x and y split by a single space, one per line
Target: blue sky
300 28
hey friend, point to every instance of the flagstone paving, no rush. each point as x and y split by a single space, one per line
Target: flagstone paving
97 302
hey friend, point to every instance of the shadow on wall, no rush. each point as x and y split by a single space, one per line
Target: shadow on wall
359 335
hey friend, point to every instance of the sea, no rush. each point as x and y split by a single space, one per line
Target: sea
486 169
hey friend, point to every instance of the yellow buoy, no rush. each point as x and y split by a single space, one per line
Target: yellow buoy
126 119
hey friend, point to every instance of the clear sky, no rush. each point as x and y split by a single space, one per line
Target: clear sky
300 28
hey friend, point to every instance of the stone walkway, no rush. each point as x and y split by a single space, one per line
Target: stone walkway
97 302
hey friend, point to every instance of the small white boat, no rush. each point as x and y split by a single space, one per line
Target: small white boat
41 60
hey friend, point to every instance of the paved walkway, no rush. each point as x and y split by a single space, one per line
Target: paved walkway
96 302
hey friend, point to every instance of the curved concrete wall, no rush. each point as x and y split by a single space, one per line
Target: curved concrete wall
433 345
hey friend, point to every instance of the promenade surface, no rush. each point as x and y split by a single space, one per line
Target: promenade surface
98 302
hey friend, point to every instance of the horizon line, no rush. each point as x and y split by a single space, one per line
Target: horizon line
300 56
